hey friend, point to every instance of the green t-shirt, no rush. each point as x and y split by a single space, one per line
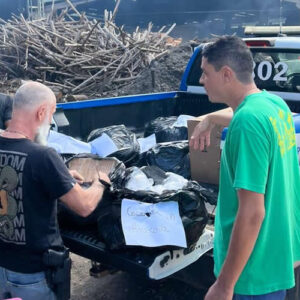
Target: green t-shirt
260 155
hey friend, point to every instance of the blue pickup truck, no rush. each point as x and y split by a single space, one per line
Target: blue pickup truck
276 68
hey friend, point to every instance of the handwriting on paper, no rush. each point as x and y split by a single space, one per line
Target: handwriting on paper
152 225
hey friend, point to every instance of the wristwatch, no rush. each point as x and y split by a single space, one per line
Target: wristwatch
104 183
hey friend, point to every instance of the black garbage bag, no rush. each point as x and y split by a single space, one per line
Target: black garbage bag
141 160
210 192
69 218
191 208
66 156
154 172
171 157
125 140
164 132
82 163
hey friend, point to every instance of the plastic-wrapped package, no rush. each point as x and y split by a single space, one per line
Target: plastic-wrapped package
165 130
138 180
191 209
165 187
189 197
171 157
125 140
88 165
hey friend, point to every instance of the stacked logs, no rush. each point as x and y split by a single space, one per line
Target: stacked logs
76 55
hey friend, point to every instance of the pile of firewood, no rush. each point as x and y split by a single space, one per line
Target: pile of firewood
77 55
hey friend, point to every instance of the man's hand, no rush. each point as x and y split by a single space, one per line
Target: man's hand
100 176
246 228
103 176
78 177
84 201
201 135
217 292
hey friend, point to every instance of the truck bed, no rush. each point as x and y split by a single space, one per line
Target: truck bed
85 243
134 112
149 263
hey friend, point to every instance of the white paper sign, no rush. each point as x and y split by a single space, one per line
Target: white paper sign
147 142
103 145
152 225
182 121
65 144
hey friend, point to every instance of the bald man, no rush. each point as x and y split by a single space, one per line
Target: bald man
32 177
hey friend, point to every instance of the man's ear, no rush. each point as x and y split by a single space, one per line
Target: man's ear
228 74
41 113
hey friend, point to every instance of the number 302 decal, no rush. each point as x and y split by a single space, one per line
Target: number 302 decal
265 69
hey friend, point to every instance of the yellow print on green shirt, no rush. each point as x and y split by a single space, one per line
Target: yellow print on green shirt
284 130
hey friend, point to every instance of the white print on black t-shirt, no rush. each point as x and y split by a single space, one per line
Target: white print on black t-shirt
12 223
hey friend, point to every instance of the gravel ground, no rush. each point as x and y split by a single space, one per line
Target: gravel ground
122 286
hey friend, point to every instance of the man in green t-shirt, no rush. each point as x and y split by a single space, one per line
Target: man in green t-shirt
257 225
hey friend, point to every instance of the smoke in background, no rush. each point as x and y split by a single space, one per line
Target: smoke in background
198 18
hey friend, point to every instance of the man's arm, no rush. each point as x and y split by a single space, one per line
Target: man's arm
84 201
201 134
246 228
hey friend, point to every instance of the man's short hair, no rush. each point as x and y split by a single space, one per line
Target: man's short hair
230 51
31 94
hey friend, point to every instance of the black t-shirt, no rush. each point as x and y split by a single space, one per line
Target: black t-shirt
5 109
32 177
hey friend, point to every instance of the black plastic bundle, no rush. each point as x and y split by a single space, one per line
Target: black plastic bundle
171 157
69 218
124 139
210 192
164 132
191 209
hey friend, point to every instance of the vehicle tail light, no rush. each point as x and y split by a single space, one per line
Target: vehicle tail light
260 43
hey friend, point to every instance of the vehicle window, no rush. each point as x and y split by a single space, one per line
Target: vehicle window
195 73
273 69
277 70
